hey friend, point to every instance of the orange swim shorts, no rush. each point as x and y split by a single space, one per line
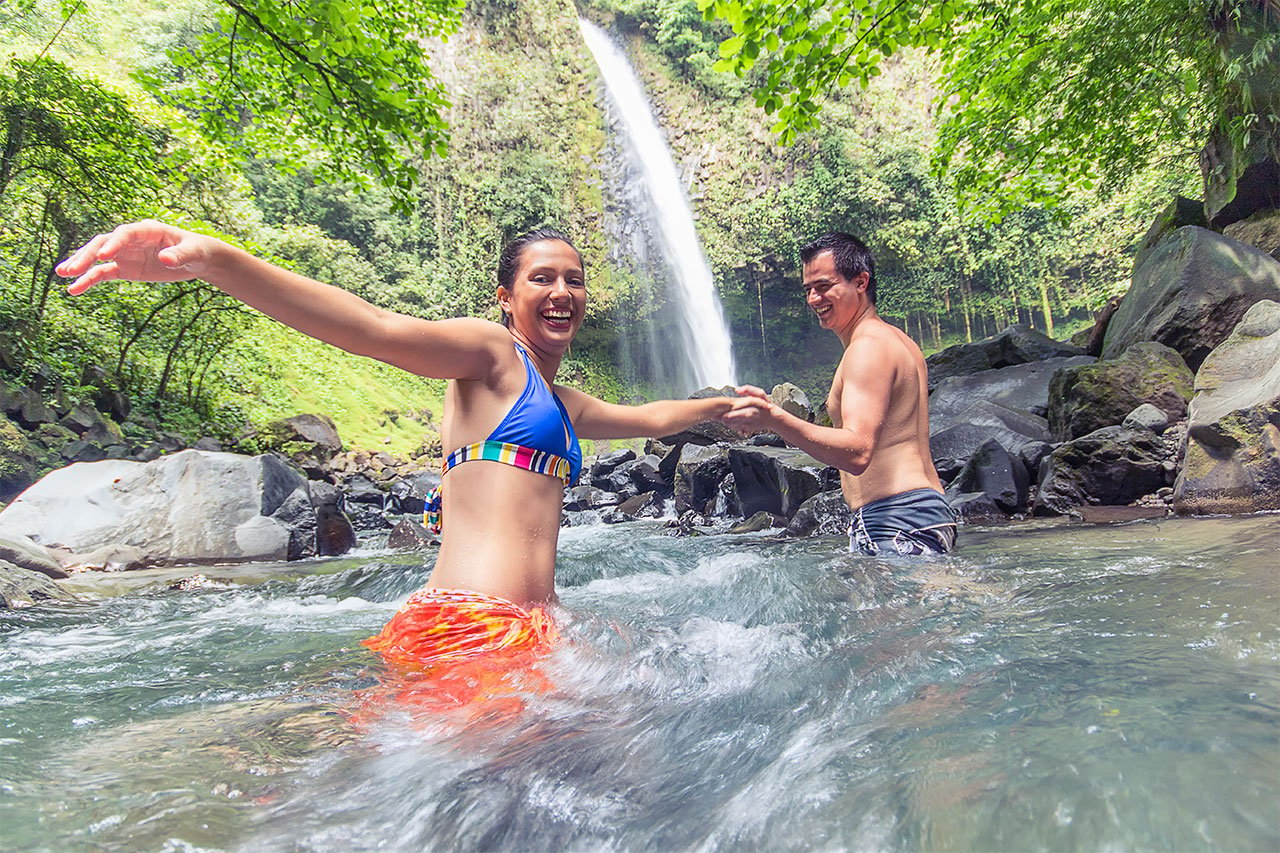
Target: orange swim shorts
438 627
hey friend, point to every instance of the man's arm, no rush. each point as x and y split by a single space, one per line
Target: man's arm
594 418
866 381
464 348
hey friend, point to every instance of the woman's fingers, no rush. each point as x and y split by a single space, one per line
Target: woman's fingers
82 258
751 391
98 273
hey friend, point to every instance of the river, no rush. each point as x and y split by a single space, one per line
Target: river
1050 686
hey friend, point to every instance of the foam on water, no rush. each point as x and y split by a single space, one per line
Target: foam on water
1073 688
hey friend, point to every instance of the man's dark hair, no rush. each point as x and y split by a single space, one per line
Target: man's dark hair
850 254
509 259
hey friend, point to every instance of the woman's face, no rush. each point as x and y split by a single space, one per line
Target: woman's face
548 297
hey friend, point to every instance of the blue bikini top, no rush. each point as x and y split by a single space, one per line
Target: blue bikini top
539 421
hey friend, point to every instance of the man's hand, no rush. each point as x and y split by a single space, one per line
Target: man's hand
142 251
752 411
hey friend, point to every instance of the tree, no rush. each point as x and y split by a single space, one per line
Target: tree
1038 98
287 77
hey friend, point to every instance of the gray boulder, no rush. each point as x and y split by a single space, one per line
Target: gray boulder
1018 344
1190 292
1088 397
1111 466
579 498
1262 231
974 506
994 471
21 587
1146 416
1232 458
792 400
190 507
825 514
776 480
1021 386
23 553
953 446
605 464
698 475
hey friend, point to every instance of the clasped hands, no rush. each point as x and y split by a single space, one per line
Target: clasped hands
752 411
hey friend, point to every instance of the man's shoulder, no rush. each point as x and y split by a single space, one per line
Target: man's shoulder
884 340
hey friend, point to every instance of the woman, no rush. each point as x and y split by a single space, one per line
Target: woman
503 415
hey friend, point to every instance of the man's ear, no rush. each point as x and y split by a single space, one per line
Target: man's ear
861 282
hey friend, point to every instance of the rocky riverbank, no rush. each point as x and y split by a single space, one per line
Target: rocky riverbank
1170 404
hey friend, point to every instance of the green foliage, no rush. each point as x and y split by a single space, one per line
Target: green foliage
1038 98
277 76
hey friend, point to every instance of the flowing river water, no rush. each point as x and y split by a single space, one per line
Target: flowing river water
1050 686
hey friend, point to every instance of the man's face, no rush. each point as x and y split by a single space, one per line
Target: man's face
836 300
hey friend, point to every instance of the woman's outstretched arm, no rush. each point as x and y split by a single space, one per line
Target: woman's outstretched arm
594 418
152 251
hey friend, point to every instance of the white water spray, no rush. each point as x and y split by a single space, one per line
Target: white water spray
703 330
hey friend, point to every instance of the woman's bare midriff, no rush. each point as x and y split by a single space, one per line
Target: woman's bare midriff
501 525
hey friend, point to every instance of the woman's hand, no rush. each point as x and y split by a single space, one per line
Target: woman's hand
142 251
752 411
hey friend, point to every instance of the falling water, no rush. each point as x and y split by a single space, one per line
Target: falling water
704 333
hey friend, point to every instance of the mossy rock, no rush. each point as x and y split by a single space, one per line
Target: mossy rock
19 459
1086 398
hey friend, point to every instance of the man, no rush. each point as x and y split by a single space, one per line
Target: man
878 405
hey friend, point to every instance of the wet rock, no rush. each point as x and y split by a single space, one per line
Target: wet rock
767 439
645 473
1018 344
775 480
1117 514
606 463
335 534
211 445
995 472
578 498
410 535
974 506
953 446
22 552
1190 292
1232 458
190 507
760 521
698 475
1088 397
825 514
647 505
619 482
1022 386
21 587
1146 416
1110 466
792 400
409 494
726 503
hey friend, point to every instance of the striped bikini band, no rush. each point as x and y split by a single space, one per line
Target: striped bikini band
519 456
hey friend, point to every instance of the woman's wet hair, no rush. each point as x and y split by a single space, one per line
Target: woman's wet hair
509 259
851 256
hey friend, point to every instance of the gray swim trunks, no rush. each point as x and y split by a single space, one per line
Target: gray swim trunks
916 522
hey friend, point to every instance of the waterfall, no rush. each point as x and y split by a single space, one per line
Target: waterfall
698 315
